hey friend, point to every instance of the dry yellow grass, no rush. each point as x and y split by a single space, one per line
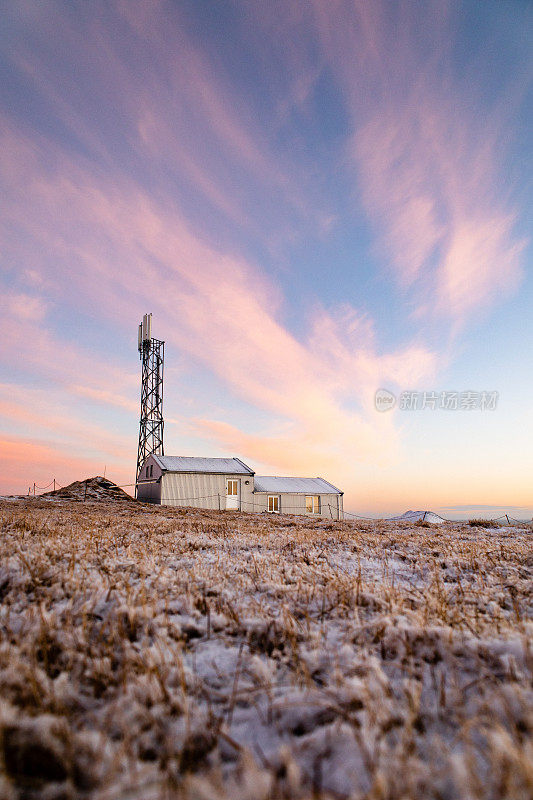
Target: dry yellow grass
154 653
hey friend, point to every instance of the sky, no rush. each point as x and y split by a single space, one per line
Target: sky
316 200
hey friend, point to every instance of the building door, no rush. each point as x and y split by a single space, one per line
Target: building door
232 493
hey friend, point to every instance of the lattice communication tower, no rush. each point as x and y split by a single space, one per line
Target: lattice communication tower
152 354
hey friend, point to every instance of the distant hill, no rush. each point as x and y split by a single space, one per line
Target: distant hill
96 488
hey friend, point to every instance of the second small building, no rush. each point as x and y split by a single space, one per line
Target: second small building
313 496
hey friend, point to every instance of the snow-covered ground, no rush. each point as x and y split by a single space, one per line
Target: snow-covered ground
152 652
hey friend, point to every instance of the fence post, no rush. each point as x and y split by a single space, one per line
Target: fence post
34 488
219 501
54 484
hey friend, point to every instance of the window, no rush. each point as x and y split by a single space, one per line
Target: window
312 504
273 503
147 472
233 490
151 470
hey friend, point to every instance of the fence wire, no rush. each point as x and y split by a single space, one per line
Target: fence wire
259 507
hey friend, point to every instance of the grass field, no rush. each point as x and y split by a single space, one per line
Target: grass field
150 652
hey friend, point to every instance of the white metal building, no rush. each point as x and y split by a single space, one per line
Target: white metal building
216 483
229 484
314 496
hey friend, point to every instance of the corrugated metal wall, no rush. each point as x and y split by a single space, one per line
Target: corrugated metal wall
202 490
330 504
148 490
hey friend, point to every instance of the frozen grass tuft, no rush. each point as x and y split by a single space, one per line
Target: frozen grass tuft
482 523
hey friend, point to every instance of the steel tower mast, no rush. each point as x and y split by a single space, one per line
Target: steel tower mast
152 354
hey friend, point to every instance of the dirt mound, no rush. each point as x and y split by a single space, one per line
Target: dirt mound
97 488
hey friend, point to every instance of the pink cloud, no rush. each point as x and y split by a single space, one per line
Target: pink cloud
429 153
482 259
29 343
172 105
49 412
123 250
432 194
27 462
107 397
345 343
25 307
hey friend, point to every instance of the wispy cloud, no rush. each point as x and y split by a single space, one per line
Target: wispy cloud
220 310
47 414
428 153
428 148
432 192
154 105
32 347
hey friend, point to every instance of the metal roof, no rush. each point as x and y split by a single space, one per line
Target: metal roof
268 483
230 466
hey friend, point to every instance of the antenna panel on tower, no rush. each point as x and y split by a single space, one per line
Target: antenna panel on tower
147 327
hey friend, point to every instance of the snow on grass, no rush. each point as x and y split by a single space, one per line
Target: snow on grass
150 652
